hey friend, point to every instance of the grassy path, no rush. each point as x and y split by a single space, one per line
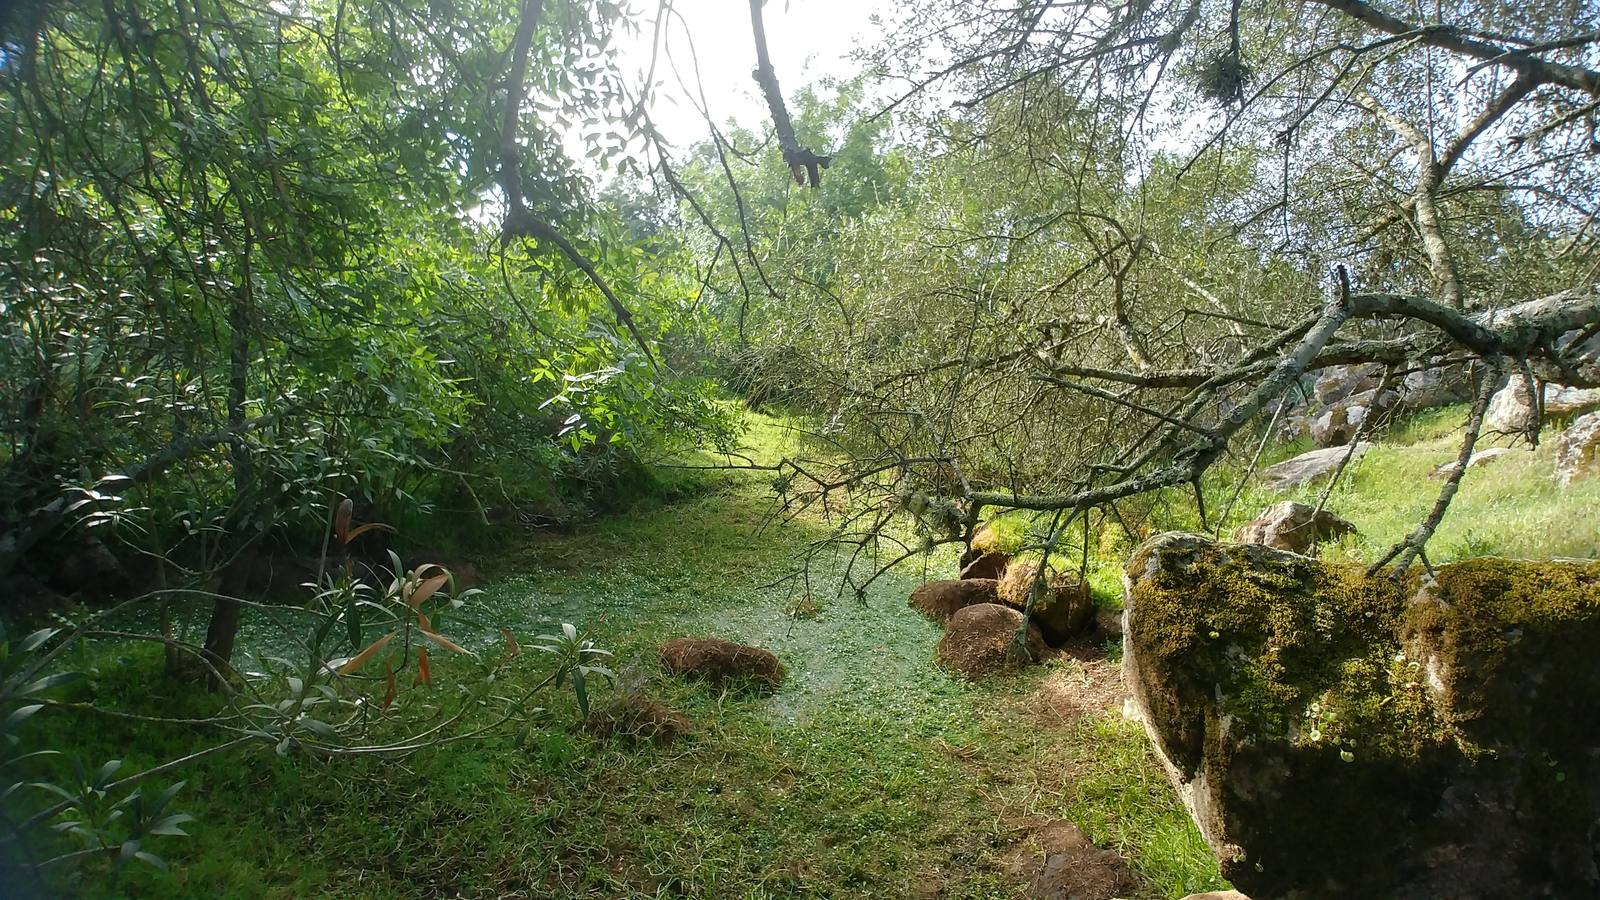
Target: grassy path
869 774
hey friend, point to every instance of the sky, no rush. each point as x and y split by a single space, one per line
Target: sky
808 40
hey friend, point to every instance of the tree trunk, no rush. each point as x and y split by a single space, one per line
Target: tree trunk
225 610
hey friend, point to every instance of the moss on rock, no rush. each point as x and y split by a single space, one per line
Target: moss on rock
1335 733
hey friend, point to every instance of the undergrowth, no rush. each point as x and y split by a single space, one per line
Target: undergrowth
869 773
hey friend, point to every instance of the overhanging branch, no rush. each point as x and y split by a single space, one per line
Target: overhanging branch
520 220
803 163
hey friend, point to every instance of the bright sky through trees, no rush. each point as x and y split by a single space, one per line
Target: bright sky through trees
809 41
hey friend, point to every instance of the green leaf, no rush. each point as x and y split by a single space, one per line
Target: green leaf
48 682
170 825
319 728
581 691
33 641
18 716
152 859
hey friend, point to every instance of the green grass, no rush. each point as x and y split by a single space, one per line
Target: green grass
869 774
1508 507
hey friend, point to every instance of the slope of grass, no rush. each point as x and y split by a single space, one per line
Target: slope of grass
869 774
1508 507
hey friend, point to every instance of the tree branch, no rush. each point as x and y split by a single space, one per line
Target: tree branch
1447 37
520 220
802 162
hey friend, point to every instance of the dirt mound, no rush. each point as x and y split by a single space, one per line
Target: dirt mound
939 600
1062 612
638 719
986 565
982 639
1057 861
717 661
1084 688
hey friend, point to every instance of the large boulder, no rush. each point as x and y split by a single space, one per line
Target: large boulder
1435 385
985 540
1511 407
939 600
1335 735
1578 449
1292 526
1339 424
1343 398
1063 609
1310 466
92 570
982 639
1336 383
722 662
987 565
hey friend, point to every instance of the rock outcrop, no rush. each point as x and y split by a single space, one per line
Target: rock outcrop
1063 610
1334 736
1342 398
91 569
1512 406
987 565
981 640
939 600
1578 449
1296 527
1345 397
1308 467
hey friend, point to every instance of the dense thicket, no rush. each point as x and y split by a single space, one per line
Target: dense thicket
254 263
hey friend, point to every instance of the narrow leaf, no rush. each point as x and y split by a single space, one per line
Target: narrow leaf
370 526
389 690
18 715
427 589
48 682
444 642
365 656
581 690
170 825
32 641
423 674
341 520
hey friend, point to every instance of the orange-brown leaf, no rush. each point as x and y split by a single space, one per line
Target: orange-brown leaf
389 690
365 656
423 674
341 520
443 641
427 589
370 526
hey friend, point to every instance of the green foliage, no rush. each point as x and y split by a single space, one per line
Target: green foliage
279 231
867 772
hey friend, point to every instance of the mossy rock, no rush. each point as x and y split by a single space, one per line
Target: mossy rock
1339 735
1064 606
